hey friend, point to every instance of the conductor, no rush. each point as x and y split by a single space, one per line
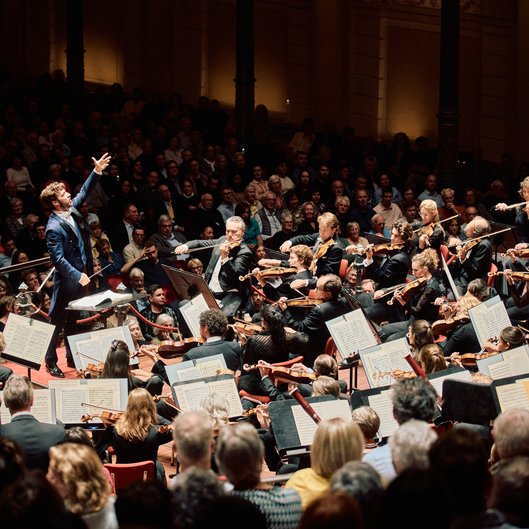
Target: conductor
68 242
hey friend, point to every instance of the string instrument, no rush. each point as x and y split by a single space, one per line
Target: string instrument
271 273
305 301
519 276
92 370
108 417
471 359
383 249
175 348
231 246
430 228
261 411
512 252
320 252
247 329
449 324
283 374
168 399
464 248
409 289
164 428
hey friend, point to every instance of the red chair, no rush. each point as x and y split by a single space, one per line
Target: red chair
447 254
124 474
330 347
491 279
344 265
114 280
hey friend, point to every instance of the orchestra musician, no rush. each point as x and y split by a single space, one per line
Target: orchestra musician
231 258
327 253
300 258
517 304
475 262
391 272
420 304
431 233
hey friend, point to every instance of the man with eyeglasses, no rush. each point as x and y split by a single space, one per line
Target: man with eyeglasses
268 217
227 206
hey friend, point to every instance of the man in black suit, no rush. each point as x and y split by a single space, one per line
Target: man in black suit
328 288
213 327
34 437
231 258
120 233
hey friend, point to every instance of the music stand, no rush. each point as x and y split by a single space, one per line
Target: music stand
188 285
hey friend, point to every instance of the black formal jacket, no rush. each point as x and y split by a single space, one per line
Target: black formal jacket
230 350
477 263
329 263
313 325
36 438
392 271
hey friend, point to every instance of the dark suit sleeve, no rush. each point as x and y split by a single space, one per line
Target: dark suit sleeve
393 271
311 324
477 264
237 266
308 240
55 242
332 260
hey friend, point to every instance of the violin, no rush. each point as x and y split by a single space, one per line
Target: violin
283 374
107 416
247 329
271 273
463 250
92 370
520 276
471 359
409 289
384 248
164 428
320 252
512 252
176 348
168 399
449 324
307 301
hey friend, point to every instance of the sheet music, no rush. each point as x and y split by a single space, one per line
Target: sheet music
380 360
195 369
351 332
513 395
305 425
191 312
500 370
92 301
43 408
511 363
489 319
90 347
109 394
383 405
27 339
437 382
188 396
484 364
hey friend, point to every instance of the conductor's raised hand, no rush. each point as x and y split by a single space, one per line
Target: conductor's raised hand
84 280
101 164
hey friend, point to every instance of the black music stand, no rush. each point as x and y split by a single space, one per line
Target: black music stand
188 285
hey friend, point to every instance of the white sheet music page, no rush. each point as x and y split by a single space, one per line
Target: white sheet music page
43 408
351 332
381 360
383 405
489 318
191 312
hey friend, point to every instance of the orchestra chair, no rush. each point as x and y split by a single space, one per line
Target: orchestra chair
344 265
124 474
491 279
448 256
114 280
263 399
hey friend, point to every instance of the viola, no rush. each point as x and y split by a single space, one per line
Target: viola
444 326
283 374
108 417
248 329
176 348
409 289
304 302
92 370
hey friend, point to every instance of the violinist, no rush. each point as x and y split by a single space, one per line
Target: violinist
510 338
231 258
474 258
517 304
300 259
327 253
420 303
521 220
273 345
328 290
391 272
431 233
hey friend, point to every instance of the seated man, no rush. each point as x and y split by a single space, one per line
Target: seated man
156 307
34 437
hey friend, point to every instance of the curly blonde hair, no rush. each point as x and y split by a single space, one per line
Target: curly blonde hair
80 471
138 417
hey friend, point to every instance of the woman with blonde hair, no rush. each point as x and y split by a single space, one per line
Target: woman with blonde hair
430 233
136 436
336 441
420 305
431 358
76 472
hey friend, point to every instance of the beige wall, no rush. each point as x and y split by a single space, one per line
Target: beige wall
370 64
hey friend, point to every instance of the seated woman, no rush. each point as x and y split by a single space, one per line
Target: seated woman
136 436
164 335
431 358
274 345
76 473
419 335
453 235
509 338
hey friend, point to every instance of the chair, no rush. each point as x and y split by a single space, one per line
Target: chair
330 347
344 265
447 254
114 280
124 474
491 279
